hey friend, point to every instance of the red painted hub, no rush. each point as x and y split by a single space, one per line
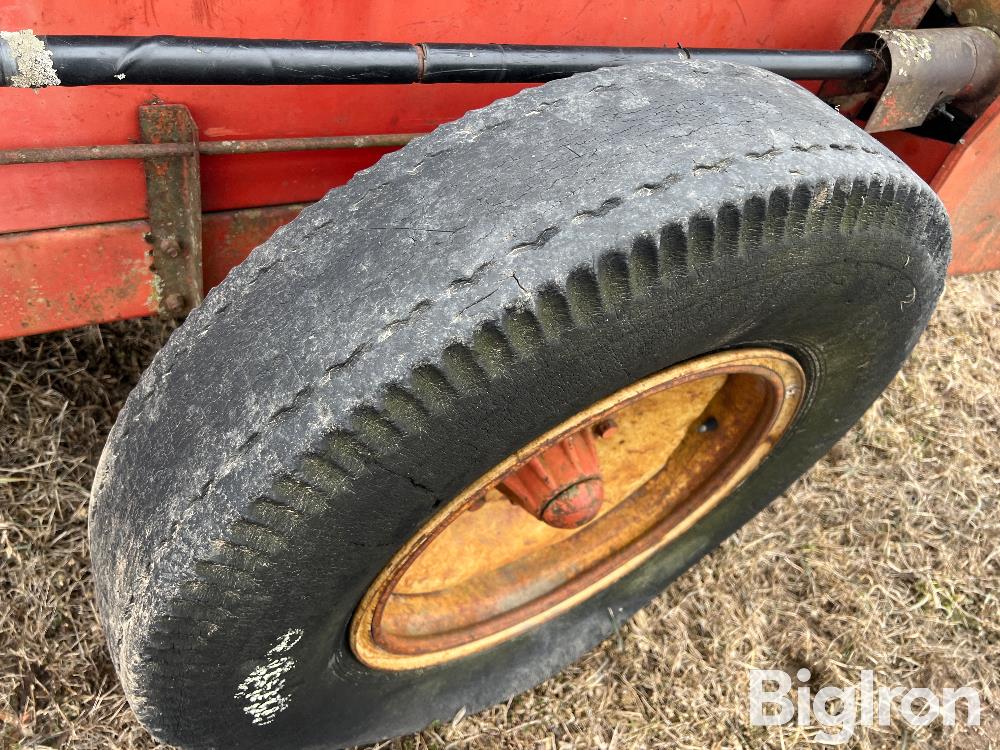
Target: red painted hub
562 485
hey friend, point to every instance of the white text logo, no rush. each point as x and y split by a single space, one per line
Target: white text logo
855 705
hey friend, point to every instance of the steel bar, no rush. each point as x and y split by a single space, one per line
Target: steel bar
206 148
114 60
799 65
93 153
323 143
495 63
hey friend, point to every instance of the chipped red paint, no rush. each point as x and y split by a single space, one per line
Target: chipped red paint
924 155
895 14
229 236
62 278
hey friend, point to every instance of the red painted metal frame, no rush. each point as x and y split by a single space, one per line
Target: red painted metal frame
105 201
967 183
92 193
67 277
62 278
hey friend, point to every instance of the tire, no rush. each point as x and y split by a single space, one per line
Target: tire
418 325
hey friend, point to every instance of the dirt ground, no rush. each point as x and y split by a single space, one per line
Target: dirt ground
886 556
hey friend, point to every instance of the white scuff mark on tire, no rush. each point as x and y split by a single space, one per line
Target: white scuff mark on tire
263 691
909 300
287 642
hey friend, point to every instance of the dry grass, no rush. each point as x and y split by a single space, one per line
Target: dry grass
886 556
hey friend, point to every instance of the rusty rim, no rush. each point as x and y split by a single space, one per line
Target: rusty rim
491 564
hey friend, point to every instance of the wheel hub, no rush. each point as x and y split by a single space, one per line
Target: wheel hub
562 485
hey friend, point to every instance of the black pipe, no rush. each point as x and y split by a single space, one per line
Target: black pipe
495 63
95 60
111 60
8 68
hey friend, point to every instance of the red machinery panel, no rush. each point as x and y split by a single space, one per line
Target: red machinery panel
67 277
99 269
967 183
69 194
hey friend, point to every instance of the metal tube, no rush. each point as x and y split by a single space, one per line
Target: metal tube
799 65
110 60
205 148
322 143
95 60
928 67
496 63
92 153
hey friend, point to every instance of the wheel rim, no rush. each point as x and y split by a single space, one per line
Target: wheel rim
670 447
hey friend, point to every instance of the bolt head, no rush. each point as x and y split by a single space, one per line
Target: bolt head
173 303
605 428
169 246
709 425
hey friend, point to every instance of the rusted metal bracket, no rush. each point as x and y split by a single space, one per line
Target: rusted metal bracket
930 67
173 198
984 13
850 96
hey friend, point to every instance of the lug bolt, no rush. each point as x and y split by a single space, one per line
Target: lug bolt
477 502
709 425
169 246
173 303
605 428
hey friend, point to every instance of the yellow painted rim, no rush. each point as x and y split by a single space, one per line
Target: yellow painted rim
482 570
